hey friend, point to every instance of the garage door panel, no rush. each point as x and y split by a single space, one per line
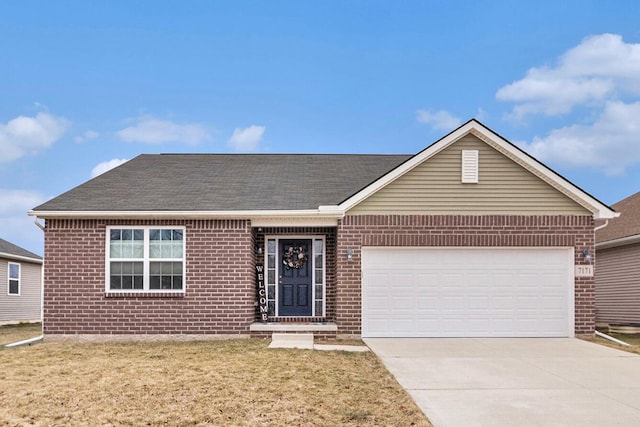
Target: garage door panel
467 292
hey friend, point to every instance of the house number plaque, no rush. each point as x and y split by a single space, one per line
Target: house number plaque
262 294
584 270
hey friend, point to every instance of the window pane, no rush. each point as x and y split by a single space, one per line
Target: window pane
14 271
318 276
127 282
127 235
137 282
177 235
318 292
14 287
116 268
154 234
271 261
271 246
155 250
177 282
115 250
114 235
166 234
138 234
115 282
318 246
271 276
154 282
137 249
318 308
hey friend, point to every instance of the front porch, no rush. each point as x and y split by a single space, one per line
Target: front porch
296 281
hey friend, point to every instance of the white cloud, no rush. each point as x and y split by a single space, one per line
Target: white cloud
106 166
440 120
611 143
25 136
86 136
246 139
15 225
601 75
150 130
599 69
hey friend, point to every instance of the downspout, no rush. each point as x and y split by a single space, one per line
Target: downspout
41 227
600 227
607 337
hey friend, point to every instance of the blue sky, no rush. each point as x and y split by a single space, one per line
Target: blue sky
86 85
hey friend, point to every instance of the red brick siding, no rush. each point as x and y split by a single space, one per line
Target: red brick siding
220 285
457 230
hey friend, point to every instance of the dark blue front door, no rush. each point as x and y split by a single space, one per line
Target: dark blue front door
294 285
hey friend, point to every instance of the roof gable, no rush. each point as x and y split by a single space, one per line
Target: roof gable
501 145
437 186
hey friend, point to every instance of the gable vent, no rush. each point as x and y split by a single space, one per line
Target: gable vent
469 166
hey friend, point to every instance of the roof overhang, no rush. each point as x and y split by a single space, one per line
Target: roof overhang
598 209
627 240
323 216
20 258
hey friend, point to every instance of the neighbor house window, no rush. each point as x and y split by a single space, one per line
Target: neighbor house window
145 259
14 279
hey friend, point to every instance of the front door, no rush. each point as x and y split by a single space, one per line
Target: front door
294 285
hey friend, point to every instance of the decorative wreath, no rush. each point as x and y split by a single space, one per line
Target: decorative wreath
294 257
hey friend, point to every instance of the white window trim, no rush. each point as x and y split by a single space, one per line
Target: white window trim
146 260
313 238
9 278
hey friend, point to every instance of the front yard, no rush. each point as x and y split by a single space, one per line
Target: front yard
234 382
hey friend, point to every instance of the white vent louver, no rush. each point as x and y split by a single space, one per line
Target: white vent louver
469 166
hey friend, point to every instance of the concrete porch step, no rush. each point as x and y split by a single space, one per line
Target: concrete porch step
282 327
280 340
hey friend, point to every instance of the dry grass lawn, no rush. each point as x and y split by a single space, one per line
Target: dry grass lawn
234 382
632 340
15 333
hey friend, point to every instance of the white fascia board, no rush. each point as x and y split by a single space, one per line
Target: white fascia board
20 258
332 213
406 166
628 240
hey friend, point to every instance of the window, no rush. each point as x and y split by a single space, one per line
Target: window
13 286
145 259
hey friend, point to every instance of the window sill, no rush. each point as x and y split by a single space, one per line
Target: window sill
145 294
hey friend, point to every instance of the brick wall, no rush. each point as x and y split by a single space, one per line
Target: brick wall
457 230
220 282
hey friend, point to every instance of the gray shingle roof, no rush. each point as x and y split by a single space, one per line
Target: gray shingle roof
627 224
11 249
226 182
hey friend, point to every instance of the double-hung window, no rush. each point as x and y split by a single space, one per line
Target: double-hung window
13 285
145 259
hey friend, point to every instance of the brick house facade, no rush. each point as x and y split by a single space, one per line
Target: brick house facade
91 288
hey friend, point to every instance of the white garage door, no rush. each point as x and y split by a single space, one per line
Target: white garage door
467 292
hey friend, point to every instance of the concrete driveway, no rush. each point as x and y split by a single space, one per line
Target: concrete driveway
515 381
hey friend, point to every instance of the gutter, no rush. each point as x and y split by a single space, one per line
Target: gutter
333 212
628 240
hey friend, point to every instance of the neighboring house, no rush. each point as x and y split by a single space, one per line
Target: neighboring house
618 261
20 284
469 237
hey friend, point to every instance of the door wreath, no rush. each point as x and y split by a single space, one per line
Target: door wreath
294 257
